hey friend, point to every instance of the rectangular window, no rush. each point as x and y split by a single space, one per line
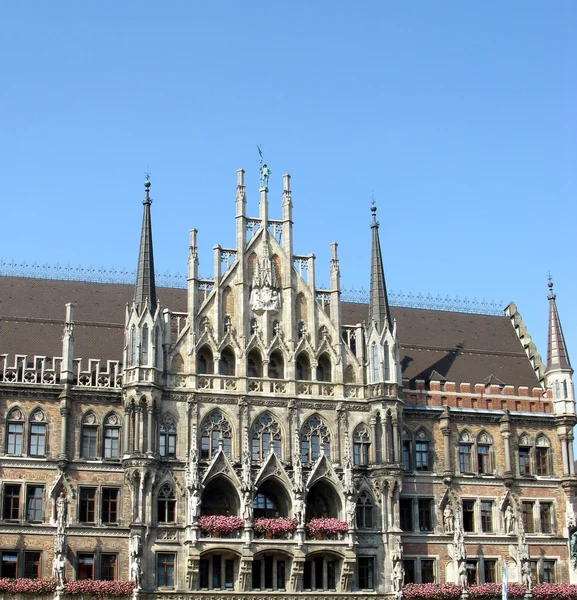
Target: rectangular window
15 433
407 455
465 458
111 442
216 569
256 574
331 575
425 521
87 505
472 575
410 572
318 562
85 566
37 440
548 571
307 575
528 520
483 460
12 502
109 505
469 515
108 567
9 565
203 573
268 560
366 572
422 456
487 516
534 571
32 565
165 569
524 461
34 495
545 516
406 514
280 575
542 461
89 439
229 574
427 570
490 570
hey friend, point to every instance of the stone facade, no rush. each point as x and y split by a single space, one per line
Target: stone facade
263 397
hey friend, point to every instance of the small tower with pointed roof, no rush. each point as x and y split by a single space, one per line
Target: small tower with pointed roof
558 372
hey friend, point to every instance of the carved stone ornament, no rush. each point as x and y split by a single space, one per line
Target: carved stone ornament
265 293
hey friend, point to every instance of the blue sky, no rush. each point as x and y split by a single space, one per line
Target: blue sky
460 118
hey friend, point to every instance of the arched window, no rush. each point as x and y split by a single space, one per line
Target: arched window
542 456
524 444
15 437
484 453
303 367
407 450
215 429
227 363
204 362
387 362
375 361
133 346
321 572
144 346
314 433
89 446
167 437
270 572
177 364
112 436
265 435
324 368
361 445
465 452
423 445
276 366
157 347
265 505
364 511
254 364
37 439
166 504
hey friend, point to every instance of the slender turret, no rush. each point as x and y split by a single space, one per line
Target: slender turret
557 355
145 291
379 313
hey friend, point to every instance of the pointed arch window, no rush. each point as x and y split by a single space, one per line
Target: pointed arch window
276 366
89 445
314 435
166 504
167 437
254 364
226 364
266 436
265 506
15 437
205 362
542 456
144 346
465 452
215 429
133 346
484 454
387 363
37 439
112 437
375 361
364 511
422 450
361 445
303 367
324 369
524 444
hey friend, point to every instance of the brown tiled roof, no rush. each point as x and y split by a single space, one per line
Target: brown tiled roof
461 347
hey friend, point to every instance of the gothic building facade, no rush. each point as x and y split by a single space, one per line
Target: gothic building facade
254 433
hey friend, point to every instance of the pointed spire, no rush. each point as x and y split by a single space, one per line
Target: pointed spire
557 356
145 286
379 312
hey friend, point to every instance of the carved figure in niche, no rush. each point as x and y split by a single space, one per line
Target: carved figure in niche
573 547
299 510
135 546
510 519
247 507
136 571
193 505
61 513
58 570
265 286
463 581
526 578
398 576
351 512
397 554
448 519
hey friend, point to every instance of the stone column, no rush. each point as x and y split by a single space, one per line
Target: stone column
396 440
64 412
446 431
374 458
565 453
126 430
137 427
150 440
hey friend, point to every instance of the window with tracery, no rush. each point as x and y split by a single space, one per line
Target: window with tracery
314 434
265 506
112 436
266 435
89 441
542 456
361 445
37 437
215 429
364 511
524 445
15 426
166 504
167 437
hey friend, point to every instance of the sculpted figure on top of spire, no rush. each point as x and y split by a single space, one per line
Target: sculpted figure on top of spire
265 294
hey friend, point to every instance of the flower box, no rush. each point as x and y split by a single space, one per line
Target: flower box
99 589
554 591
36 587
280 527
432 591
326 528
220 525
490 591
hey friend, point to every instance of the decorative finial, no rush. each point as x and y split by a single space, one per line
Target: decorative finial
264 170
551 295
147 199
374 210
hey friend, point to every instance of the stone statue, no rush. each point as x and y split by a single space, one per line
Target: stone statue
299 510
397 554
526 577
61 513
398 576
247 507
351 512
58 570
193 505
463 581
264 177
136 571
448 519
510 519
573 548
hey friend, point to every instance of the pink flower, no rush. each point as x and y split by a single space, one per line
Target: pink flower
220 524
432 591
277 527
328 526
100 589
